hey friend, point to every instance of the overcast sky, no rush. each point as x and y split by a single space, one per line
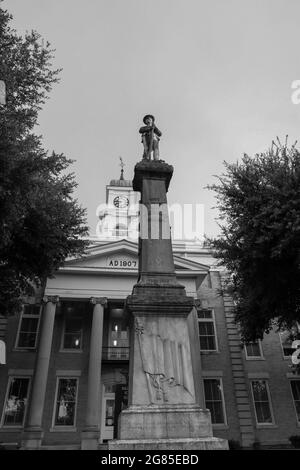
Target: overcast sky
216 74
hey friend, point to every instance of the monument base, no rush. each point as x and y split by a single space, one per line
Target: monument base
205 443
164 422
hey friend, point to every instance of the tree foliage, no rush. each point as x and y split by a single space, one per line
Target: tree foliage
40 222
259 203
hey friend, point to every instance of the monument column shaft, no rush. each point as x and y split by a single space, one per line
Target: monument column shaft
156 264
156 255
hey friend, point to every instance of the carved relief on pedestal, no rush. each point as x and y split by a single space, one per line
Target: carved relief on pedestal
165 364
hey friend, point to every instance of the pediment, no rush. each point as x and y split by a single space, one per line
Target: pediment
109 255
118 259
189 265
123 256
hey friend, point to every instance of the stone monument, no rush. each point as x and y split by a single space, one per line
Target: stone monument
165 400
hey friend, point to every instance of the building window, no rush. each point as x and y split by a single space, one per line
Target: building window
119 334
28 327
16 401
214 400
253 350
295 386
207 330
65 403
73 326
262 402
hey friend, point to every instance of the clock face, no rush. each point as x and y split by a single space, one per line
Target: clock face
121 201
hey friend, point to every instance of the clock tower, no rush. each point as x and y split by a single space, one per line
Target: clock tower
119 216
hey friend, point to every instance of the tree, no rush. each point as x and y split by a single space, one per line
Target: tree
259 203
40 223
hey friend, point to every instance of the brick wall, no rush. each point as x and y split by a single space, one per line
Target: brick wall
275 369
209 294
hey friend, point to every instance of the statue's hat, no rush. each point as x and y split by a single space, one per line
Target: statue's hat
148 116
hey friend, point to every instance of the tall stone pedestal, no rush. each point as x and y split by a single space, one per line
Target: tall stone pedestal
164 404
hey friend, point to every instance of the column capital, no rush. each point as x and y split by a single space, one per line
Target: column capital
98 300
51 298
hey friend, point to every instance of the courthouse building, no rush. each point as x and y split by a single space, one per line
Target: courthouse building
77 325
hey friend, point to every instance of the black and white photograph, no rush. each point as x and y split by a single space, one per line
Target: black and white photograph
149 229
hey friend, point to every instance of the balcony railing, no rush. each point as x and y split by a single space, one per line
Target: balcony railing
115 354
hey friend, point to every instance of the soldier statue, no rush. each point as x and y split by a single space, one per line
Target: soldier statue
150 138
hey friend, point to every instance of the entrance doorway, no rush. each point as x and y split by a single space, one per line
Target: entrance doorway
114 400
108 415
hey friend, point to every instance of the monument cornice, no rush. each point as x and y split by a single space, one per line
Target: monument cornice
151 169
171 305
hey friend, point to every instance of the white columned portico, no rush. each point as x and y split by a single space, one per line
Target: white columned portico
90 435
33 434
